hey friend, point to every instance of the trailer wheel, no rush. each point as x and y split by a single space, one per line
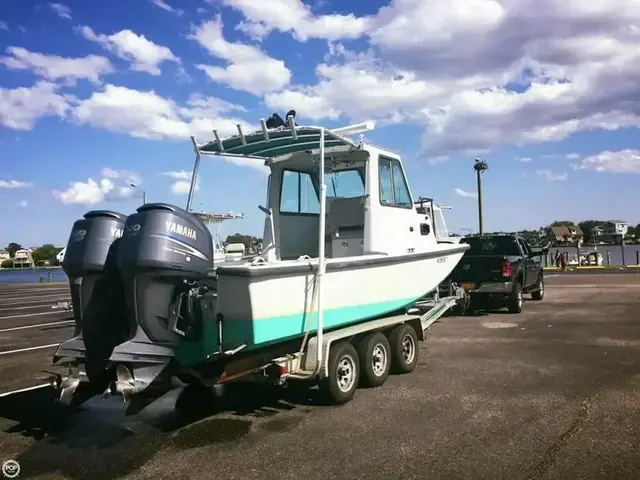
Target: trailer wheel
344 374
404 348
375 355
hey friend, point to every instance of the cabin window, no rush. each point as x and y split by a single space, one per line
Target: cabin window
345 183
298 195
394 191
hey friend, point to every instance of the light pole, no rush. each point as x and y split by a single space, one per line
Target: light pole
144 193
480 166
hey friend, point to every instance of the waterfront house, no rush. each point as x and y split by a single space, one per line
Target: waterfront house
23 258
4 255
565 234
615 227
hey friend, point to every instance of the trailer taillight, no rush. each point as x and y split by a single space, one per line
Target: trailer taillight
506 269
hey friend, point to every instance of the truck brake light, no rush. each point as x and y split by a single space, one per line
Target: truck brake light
506 269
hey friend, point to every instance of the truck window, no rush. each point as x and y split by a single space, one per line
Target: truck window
525 248
298 194
492 245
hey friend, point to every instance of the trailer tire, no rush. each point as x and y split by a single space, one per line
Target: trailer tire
341 383
538 293
515 300
375 359
404 348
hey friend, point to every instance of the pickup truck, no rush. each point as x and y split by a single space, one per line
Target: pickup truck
499 269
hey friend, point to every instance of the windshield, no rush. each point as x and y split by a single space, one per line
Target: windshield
345 183
492 245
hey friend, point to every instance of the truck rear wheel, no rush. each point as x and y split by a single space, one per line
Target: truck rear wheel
538 293
344 374
514 300
375 359
404 348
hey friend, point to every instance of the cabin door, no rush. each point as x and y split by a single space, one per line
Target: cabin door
396 215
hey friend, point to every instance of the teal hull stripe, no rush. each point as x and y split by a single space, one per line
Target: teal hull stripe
269 330
266 331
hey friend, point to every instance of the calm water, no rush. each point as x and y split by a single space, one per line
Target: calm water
32 276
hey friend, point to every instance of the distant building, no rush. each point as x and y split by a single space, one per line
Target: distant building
4 255
23 258
615 227
610 232
565 234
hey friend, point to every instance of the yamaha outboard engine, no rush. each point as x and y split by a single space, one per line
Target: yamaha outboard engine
96 295
166 262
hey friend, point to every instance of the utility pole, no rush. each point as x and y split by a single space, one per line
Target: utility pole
480 167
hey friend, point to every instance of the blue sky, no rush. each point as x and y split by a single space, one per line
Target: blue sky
96 95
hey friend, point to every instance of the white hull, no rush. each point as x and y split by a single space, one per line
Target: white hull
268 307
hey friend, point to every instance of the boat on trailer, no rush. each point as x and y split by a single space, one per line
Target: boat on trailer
349 266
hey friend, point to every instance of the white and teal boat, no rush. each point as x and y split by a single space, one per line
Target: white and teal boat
339 248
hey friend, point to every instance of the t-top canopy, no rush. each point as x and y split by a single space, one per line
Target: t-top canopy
270 143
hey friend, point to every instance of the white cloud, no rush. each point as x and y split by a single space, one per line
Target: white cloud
182 182
14 184
21 107
525 159
465 193
165 6
622 161
437 160
550 176
296 17
145 114
250 69
4 26
143 54
112 185
572 156
61 10
23 203
450 66
54 67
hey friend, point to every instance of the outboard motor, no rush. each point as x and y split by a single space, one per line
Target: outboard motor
97 299
166 262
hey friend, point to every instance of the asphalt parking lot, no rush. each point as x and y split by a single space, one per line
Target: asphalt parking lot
550 393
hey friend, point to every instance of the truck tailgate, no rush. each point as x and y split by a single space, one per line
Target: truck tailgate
477 269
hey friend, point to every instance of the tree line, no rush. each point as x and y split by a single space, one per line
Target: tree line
539 236
42 255
588 225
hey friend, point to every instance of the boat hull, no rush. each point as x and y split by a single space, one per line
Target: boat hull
260 305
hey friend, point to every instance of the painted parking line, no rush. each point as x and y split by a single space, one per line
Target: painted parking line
28 389
14 329
29 349
29 315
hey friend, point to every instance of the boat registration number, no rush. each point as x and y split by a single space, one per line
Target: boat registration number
468 286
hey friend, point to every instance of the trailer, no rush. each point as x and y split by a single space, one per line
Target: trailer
343 359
